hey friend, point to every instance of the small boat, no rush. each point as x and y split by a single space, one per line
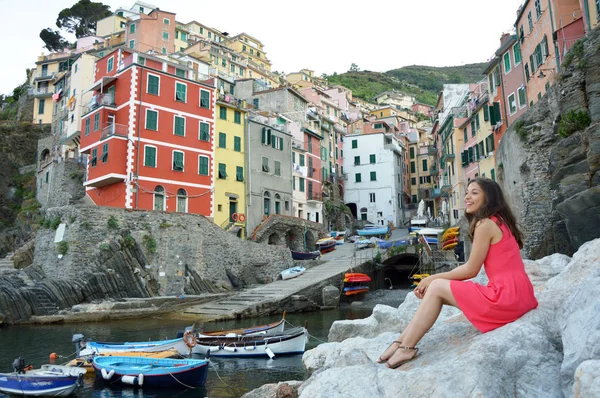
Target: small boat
385 244
93 347
339 242
151 372
326 245
362 243
292 272
49 380
274 327
373 230
86 362
430 234
288 342
356 277
417 224
354 290
305 255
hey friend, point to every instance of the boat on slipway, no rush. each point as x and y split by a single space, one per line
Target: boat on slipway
292 272
373 230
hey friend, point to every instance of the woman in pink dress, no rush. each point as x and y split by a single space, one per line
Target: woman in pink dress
496 244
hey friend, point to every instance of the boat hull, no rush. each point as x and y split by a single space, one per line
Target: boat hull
292 272
276 327
289 343
50 380
93 348
157 373
306 255
327 247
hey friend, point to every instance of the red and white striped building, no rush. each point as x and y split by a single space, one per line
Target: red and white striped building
149 133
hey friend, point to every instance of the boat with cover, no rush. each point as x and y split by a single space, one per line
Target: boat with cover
151 372
289 342
86 362
292 272
362 243
94 347
373 230
49 380
305 255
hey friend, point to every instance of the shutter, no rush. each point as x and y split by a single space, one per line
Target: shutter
280 143
492 144
470 155
486 112
493 119
497 112
264 135
268 136
274 141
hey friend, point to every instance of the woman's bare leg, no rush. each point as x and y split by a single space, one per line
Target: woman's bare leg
438 293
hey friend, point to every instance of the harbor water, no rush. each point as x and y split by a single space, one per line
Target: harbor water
231 377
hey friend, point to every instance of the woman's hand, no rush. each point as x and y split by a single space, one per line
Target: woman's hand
421 289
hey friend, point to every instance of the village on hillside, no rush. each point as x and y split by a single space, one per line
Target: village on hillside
161 114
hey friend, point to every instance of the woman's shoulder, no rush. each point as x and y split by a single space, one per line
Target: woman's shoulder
486 222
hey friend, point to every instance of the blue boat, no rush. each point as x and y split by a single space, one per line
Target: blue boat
95 347
152 372
373 230
305 255
49 380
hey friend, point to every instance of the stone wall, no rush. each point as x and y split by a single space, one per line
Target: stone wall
292 232
552 182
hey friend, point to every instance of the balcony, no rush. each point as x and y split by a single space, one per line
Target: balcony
436 193
41 92
393 147
447 157
103 180
42 76
99 101
230 99
446 185
432 150
113 129
314 197
434 171
297 144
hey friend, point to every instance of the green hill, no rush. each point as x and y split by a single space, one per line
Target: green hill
424 82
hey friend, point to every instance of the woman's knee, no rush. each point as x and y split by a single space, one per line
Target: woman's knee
437 287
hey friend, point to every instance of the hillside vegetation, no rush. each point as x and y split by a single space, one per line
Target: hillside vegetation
424 82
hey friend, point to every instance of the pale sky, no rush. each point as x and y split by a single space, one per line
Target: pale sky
326 36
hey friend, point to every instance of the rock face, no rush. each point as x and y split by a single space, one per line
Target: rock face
549 352
114 253
552 182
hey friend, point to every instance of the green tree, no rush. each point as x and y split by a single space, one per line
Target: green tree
81 18
354 68
53 40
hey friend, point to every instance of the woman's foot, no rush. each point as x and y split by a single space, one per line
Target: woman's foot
389 351
401 356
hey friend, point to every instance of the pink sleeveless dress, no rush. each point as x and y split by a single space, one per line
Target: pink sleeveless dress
509 292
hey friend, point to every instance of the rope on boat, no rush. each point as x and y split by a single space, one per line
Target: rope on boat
309 335
217 373
177 380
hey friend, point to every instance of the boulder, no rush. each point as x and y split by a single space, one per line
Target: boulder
331 296
587 380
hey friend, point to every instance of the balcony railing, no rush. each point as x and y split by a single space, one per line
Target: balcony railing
432 150
447 157
434 171
230 99
41 92
314 196
110 129
45 76
98 101
297 144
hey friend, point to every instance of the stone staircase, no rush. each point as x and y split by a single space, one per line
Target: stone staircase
6 264
45 305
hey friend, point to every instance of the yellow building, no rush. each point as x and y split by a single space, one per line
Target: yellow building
250 48
224 60
110 25
230 177
49 69
200 31
591 13
181 37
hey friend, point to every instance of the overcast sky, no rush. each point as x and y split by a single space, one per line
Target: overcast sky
325 36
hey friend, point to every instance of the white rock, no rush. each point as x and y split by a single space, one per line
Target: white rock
587 380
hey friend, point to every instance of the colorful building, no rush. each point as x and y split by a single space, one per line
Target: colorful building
46 91
148 131
152 32
591 13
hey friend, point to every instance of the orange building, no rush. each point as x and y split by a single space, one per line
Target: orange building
155 31
148 131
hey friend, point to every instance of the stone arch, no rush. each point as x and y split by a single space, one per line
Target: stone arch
310 241
45 156
274 239
294 239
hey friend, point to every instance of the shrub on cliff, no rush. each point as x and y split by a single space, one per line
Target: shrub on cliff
574 121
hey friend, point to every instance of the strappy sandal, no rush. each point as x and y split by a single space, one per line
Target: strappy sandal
415 349
381 360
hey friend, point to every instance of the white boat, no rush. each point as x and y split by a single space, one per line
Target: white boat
93 347
292 272
362 243
48 381
288 342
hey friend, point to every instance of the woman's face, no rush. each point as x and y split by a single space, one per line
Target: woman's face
474 199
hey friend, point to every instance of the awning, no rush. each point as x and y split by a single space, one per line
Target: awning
100 84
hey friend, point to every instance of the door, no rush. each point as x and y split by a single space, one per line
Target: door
232 210
111 124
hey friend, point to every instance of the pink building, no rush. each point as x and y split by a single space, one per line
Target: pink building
155 31
426 110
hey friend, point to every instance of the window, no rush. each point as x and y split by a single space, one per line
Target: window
521 34
517 53
255 102
151 120
222 140
96 121
357 160
164 50
153 85
94 159
237 144
477 125
239 173
204 131
42 105
149 156
277 168
166 21
181 201
544 49
538 8
203 165
301 160
180 73
237 117
413 168
372 159
177 161
301 180
222 171
87 126
165 35
465 134
512 106
354 144
132 28
180 92
357 177
413 181
132 44
493 174
266 136
204 99
527 72
372 197
265 165
507 66
222 113
412 152
522 97
159 198
530 21
424 164
105 153
373 176
110 64
179 126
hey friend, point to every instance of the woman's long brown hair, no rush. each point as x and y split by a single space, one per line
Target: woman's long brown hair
495 205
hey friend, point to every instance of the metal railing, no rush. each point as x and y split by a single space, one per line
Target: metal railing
314 196
110 129
43 91
45 76
98 101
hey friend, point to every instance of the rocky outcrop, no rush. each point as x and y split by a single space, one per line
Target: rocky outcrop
553 182
113 253
549 352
